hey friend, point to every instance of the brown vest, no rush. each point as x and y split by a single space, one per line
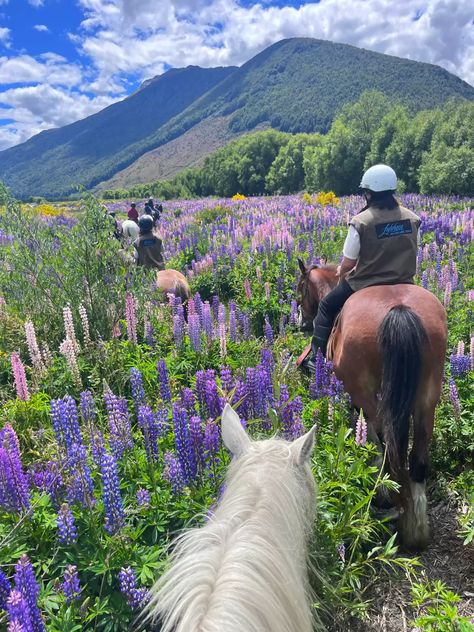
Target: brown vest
150 251
388 247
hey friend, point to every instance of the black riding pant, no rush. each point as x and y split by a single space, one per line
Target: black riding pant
328 309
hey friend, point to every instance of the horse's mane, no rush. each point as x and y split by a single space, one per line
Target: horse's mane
246 568
330 267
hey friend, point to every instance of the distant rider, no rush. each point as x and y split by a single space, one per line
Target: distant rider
133 213
380 249
148 247
154 211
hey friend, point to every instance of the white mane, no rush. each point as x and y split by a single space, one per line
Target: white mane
245 570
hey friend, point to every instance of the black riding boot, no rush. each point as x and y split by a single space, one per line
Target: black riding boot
319 341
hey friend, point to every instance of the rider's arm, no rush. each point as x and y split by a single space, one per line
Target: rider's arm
350 251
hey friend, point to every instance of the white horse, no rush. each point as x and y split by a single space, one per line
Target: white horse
246 569
130 229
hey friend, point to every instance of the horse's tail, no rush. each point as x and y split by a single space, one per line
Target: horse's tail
182 289
401 336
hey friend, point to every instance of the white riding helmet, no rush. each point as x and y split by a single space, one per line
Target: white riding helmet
379 178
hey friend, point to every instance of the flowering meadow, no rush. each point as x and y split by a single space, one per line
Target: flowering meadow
112 393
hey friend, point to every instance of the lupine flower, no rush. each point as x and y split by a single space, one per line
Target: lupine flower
163 380
196 437
128 586
70 585
172 472
213 402
215 306
188 400
97 447
267 290
461 348
69 328
226 379
248 292
131 318
68 350
138 392
65 422
460 364
80 487
66 527
114 513
178 331
162 422
471 351
19 375
232 321
26 583
18 613
85 325
119 424
361 430
293 313
211 438
14 492
149 331
33 348
447 294
222 330
47 477
5 589
453 395
207 321
184 447
149 427
194 332
143 497
87 407
46 354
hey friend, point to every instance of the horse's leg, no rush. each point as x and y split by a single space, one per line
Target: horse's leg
414 524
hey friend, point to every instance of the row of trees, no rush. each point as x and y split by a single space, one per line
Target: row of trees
432 151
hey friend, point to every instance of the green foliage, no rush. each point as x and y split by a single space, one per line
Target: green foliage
437 605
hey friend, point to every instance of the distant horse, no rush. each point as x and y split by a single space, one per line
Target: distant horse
388 347
246 570
173 281
130 229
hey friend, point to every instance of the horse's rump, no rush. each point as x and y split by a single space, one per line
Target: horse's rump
173 281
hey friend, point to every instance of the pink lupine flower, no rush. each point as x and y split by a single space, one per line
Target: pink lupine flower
461 348
68 350
69 328
267 290
19 375
131 318
248 293
85 324
361 430
33 348
447 294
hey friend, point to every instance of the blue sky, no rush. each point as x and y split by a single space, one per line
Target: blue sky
62 60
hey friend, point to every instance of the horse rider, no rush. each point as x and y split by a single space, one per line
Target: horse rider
148 247
154 211
133 213
380 249
116 226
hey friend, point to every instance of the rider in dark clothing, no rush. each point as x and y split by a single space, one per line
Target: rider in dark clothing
380 249
148 247
153 211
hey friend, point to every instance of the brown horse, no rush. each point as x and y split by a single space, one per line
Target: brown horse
388 347
173 281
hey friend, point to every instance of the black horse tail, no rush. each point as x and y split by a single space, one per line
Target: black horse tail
401 337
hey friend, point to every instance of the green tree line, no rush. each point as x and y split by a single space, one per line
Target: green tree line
432 151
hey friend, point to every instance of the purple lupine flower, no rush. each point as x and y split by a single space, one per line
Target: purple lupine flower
184 447
207 322
131 318
65 423
213 401
172 472
297 427
163 380
454 397
198 304
119 424
227 382
317 387
242 399
267 360
66 527
97 446
149 331
471 352
80 487
255 403
245 325
247 290
460 364
26 583
128 587
87 407
138 392
70 585
194 332
425 279
215 307
14 492
178 331
5 589
211 438
47 477
268 331
18 612
143 497
149 427
114 513
196 437
361 430
188 400
294 313
162 422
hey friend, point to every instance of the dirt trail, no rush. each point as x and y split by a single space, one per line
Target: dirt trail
446 559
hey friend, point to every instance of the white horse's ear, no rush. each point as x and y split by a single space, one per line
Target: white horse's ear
234 436
303 447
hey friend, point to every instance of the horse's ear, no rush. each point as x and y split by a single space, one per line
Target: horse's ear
234 436
302 266
303 447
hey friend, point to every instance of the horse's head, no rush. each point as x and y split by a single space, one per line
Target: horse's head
273 455
313 285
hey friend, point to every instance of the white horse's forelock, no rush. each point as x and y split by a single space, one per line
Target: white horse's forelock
245 570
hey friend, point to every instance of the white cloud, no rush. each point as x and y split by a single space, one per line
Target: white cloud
41 28
139 38
36 3
4 34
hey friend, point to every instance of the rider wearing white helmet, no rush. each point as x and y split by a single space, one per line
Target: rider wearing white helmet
380 249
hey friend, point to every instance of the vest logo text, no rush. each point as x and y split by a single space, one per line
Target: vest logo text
393 229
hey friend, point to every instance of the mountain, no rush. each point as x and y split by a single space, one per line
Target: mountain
175 120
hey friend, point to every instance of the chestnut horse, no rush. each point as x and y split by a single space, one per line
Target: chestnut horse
173 281
388 347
